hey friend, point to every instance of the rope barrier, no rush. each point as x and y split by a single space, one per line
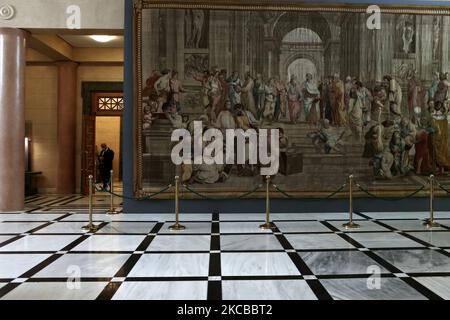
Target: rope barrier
442 187
152 195
210 198
315 199
250 192
146 197
389 199
196 193
277 188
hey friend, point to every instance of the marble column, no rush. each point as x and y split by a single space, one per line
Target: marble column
12 119
67 87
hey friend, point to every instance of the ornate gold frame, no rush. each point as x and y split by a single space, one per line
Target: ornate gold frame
253 5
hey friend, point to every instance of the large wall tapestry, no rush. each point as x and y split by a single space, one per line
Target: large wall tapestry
346 98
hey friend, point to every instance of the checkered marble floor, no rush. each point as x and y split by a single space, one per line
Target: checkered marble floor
44 254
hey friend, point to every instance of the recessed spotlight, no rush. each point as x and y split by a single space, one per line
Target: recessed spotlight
103 39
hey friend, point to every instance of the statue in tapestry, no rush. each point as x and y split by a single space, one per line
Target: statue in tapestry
195 26
406 34
436 36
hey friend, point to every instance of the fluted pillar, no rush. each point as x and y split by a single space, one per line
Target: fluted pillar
67 87
12 119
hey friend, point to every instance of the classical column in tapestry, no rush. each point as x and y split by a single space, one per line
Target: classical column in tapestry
271 67
219 39
12 119
173 34
443 43
67 88
350 46
428 38
332 57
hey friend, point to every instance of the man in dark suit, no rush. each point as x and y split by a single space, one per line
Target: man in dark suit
106 158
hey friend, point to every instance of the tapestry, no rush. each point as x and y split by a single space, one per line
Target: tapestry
348 90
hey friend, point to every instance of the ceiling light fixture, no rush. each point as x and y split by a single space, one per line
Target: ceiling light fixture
103 39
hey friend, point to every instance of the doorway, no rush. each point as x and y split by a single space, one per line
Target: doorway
108 130
300 68
102 124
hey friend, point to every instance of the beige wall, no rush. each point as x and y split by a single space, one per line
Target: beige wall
107 130
41 109
41 85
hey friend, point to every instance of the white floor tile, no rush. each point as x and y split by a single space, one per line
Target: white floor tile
317 241
191 227
250 242
180 243
314 216
56 291
439 285
301 226
163 217
408 225
416 260
384 240
18 227
97 217
110 243
442 214
242 227
142 217
364 289
365 226
152 290
84 266
40 243
5 238
340 262
30 217
14 265
267 290
437 239
128 227
64 227
242 217
443 222
256 263
172 265
397 215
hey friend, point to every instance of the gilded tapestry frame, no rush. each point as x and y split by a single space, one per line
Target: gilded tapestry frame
257 5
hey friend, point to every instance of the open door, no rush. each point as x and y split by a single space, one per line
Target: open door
103 104
89 155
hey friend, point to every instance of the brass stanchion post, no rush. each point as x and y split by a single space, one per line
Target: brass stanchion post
350 224
430 223
268 225
91 227
177 226
112 210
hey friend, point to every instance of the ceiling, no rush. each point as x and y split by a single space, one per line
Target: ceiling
84 41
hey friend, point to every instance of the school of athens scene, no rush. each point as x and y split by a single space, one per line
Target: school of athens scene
348 99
